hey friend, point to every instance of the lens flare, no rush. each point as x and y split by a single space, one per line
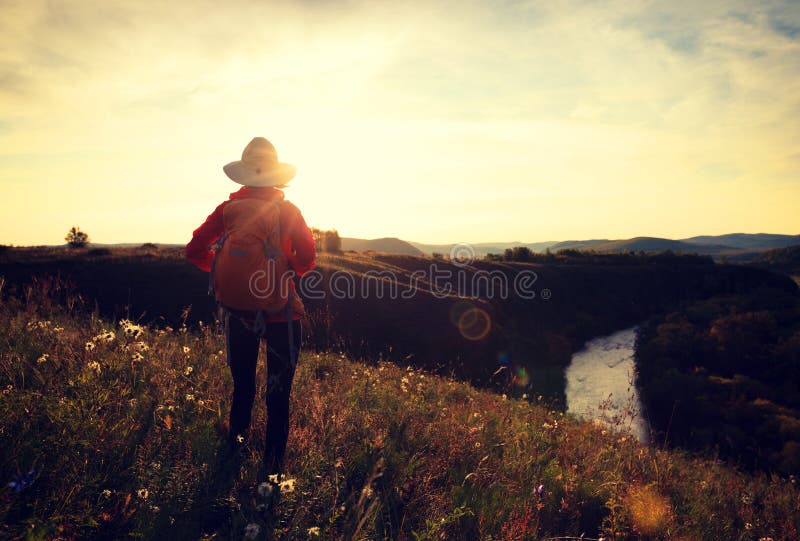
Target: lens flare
521 378
474 324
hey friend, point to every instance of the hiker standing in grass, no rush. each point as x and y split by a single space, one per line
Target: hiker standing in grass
251 244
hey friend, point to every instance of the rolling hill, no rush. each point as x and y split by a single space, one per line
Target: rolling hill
390 245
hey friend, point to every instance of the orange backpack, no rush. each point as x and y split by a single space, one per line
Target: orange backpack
249 271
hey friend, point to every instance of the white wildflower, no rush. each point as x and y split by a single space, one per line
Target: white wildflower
43 358
188 370
89 346
287 485
137 357
314 530
265 489
189 397
94 365
186 349
251 530
105 336
143 493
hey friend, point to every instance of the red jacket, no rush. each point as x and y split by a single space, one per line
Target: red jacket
296 239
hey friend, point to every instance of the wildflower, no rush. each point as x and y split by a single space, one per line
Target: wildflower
477 444
239 438
539 490
265 489
547 426
251 530
189 397
106 493
137 357
105 336
94 365
748 526
314 530
367 491
274 478
89 346
339 463
143 493
58 329
504 397
22 481
43 358
476 415
156 465
188 371
524 396
286 485
186 349
131 329
141 346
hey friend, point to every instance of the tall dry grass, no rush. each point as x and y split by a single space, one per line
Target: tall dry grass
112 430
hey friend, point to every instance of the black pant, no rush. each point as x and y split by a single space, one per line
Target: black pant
243 345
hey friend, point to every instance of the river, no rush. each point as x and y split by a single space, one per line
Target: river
600 384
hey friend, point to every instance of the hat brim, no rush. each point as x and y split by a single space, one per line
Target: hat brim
242 173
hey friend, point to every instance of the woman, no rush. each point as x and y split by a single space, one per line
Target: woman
257 212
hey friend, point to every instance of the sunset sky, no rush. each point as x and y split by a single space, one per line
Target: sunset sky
430 121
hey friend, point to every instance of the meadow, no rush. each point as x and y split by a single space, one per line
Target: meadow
112 429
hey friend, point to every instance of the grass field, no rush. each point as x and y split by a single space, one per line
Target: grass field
112 430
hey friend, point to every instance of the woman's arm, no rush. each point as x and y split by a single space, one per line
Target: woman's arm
197 251
302 253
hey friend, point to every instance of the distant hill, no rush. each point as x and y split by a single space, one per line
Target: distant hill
654 244
736 247
747 241
483 248
390 245
576 244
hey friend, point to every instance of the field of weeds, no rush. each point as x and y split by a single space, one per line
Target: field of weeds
114 430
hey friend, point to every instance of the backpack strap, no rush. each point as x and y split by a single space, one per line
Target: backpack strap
219 242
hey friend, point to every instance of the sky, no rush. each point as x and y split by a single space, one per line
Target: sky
429 121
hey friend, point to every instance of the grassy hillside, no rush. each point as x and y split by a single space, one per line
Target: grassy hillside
113 430
388 244
575 298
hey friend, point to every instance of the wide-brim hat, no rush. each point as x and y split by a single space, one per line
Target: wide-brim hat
259 166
